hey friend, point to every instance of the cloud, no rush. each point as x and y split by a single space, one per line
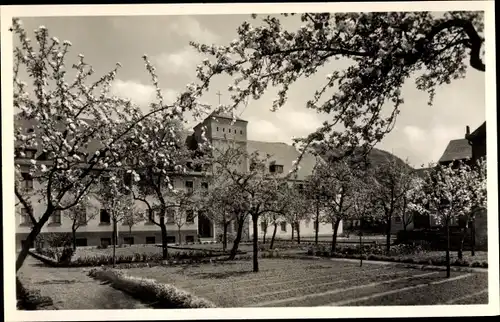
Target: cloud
191 28
430 143
283 126
140 94
179 62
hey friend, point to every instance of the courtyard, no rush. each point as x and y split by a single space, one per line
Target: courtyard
280 283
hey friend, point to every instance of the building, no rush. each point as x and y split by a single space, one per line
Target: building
97 230
469 149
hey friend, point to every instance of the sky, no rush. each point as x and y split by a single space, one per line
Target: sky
420 136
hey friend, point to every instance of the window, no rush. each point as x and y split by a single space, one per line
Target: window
104 216
275 168
217 129
27 181
229 130
301 187
263 226
56 217
204 185
152 216
397 219
170 239
127 179
128 240
81 242
82 216
170 216
189 216
241 131
189 239
283 226
189 186
105 242
223 130
25 217
150 240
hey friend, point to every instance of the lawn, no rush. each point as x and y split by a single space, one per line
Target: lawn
298 282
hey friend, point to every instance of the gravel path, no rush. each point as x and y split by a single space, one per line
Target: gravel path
72 289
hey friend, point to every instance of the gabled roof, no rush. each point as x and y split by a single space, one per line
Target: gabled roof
459 149
284 154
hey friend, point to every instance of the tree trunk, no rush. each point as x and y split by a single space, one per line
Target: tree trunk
473 237
335 227
31 237
255 243
316 224
360 246
237 240
264 235
297 227
224 236
114 242
163 238
130 235
179 235
293 231
461 246
73 236
274 235
448 273
388 235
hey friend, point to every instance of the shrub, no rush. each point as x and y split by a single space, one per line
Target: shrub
66 255
163 295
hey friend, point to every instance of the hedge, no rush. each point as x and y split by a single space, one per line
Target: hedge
150 291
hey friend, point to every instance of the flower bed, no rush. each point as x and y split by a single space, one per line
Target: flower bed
151 291
411 254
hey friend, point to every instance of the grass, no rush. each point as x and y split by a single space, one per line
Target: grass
299 282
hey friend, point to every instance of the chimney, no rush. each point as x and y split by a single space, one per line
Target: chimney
467 131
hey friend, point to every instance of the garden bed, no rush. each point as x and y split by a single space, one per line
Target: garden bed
158 295
403 254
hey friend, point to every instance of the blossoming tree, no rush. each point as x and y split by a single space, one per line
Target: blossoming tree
381 49
451 192
68 131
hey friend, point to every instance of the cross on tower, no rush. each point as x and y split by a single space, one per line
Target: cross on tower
219 94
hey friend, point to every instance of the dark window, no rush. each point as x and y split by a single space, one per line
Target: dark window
229 130
151 216
128 240
56 217
27 181
31 130
189 239
32 244
204 185
189 186
217 129
150 240
81 242
301 187
105 242
283 226
171 239
241 132
127 179
223 130
104 216
397 219
263 226
190 216
275 168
